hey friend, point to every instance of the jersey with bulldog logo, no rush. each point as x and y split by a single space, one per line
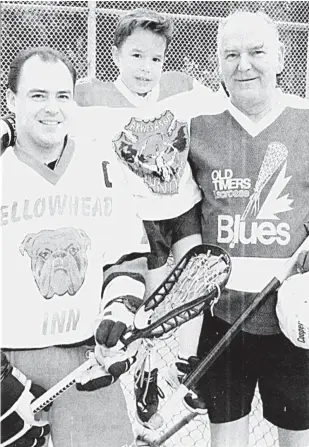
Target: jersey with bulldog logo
60 228
151 139
255 179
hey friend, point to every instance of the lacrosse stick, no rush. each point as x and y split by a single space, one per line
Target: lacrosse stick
275 155
157 420
194 284
50 395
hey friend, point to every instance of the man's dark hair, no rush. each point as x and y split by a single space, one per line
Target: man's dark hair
46 54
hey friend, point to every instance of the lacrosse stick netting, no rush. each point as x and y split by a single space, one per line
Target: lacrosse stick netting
195 282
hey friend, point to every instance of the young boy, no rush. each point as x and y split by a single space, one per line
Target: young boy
153 110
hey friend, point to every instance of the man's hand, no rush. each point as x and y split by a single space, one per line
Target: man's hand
302 263
113 357
18 426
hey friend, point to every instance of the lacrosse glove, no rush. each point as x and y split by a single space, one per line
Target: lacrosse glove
114 359
18 426
8 132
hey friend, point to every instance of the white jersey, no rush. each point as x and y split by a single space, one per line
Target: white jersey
151 139
59 228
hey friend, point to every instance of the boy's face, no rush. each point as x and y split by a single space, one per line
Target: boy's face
140 60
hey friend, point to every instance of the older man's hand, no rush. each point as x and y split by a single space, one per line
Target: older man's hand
302 263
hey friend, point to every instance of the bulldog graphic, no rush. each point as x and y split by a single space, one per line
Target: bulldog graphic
58 260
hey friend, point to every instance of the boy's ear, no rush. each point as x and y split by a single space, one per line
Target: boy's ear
115 53
11 100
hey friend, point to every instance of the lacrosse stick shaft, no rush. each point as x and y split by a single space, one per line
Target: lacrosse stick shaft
155 441
61 386
207 361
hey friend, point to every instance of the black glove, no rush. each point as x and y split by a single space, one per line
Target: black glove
8 132
18 426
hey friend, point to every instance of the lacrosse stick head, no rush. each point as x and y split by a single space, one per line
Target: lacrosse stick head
195 283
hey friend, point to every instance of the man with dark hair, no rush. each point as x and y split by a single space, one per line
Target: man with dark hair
68 223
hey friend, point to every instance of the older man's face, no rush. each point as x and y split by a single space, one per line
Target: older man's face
250 58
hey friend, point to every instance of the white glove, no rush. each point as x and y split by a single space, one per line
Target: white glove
112 363
113 357
293 309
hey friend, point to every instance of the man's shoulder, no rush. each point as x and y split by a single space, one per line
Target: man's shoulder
93 92
296 102
175 82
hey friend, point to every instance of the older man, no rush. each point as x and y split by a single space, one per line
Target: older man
251 161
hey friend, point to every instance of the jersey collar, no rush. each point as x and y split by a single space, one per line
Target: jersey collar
136 100
255 128
52 176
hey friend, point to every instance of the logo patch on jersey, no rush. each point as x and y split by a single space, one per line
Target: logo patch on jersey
156 150
259 221
226 185
58 260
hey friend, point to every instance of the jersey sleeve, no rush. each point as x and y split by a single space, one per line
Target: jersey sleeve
125 263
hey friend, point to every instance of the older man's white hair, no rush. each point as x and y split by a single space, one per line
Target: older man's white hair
244 18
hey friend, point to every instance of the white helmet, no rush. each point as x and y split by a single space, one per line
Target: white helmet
293 309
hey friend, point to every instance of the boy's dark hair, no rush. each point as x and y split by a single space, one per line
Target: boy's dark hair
46 54
144 19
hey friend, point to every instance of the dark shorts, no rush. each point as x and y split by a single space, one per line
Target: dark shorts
280 369
162 234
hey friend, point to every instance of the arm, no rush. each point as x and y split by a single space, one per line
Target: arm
187 232
123 293
18 426
7 132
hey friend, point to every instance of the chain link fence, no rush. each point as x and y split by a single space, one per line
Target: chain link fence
84 31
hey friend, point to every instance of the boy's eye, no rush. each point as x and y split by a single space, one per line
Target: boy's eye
137 55
157 59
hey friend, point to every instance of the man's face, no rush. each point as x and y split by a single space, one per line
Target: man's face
250 58
43 103
140 60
